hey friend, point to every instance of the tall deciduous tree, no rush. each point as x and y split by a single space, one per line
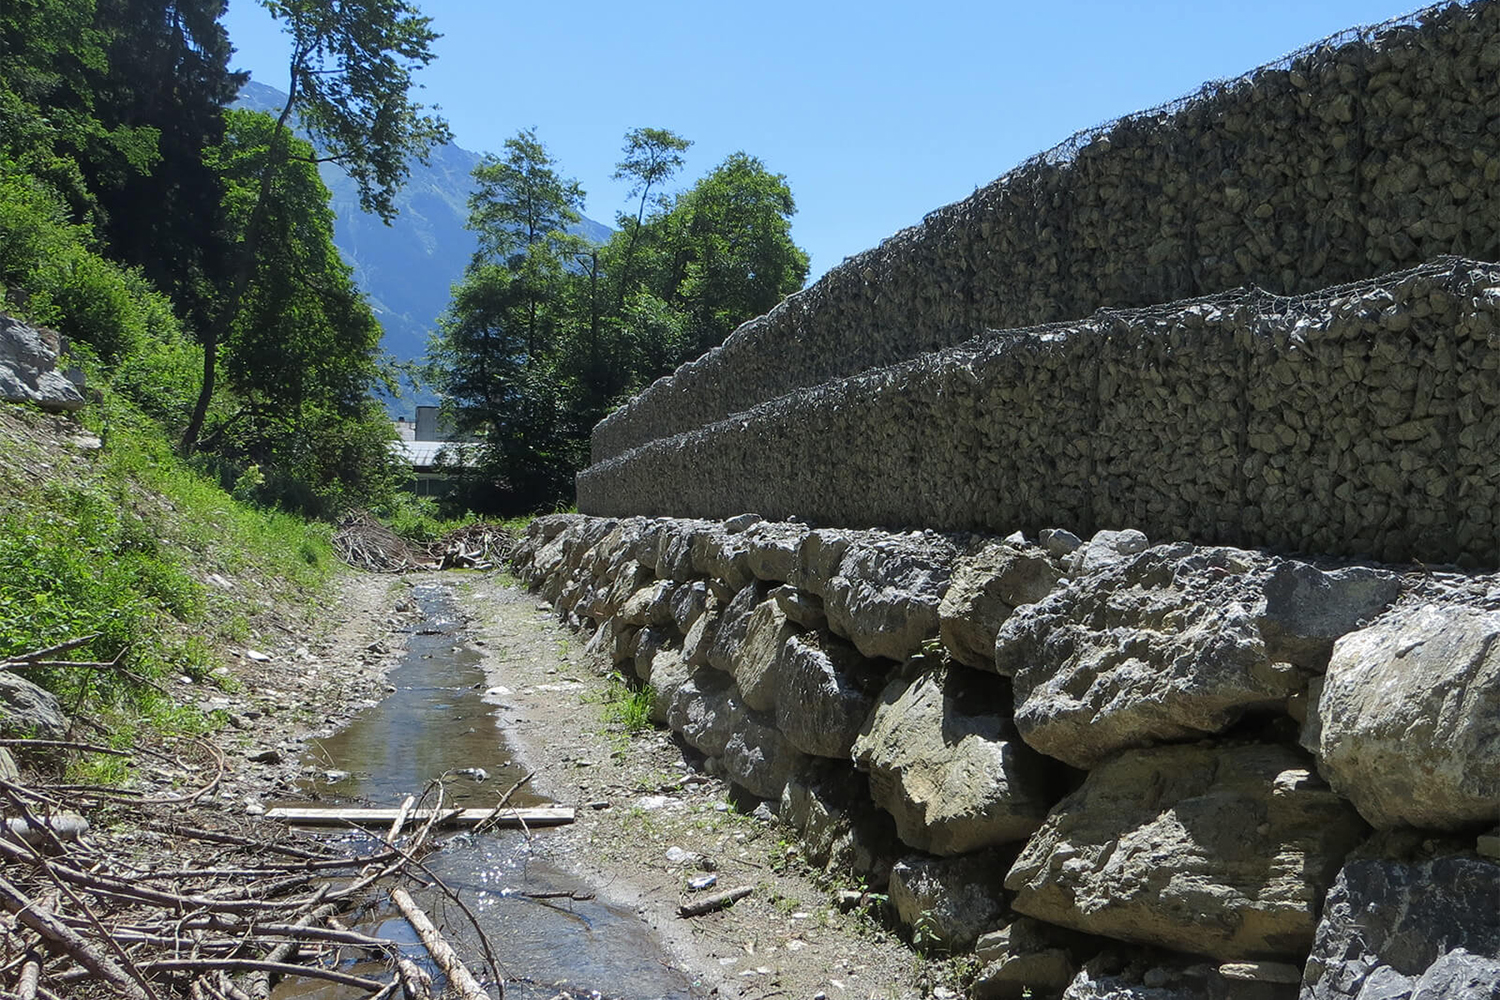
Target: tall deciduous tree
496 356
652 157
350 81
303 352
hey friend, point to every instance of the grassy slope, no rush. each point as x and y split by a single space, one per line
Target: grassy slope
103 531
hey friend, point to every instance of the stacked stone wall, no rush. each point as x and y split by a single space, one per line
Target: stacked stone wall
1362 420
1111 768
1369 152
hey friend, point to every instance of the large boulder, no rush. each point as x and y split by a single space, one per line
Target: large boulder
986 587
724 555
28 710
759 759
757 665
1396 926
1105 549
947 764
825 691
1220 851
772 547
1407 722
839 829
28 368
729 631
668 674
705 709
1169 645
885 596
947 903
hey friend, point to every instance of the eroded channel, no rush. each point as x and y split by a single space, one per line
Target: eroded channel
436 725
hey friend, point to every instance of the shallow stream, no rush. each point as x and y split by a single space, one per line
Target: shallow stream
437 723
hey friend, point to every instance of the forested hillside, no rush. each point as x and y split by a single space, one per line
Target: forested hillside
188 248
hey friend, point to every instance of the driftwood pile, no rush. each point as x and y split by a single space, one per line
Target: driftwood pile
364 543
145 900
475 546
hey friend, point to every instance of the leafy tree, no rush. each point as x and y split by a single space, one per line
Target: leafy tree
652 156
350 79
168 71
530 355
496 358
729 250
303 352
52 64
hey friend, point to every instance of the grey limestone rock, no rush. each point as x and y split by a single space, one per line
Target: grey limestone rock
1025 958
839 829
800 606
1408 928
700 637
945 761
772 549
687 602
650 605
986 587
759 759
668 675
757 664
1220 851
885 596
1059 541
705 709
28 710
1306 609
825 691
648 643
723 555
1407 721
1107 978
1168 645
949 902
28 368
1105 549
729 632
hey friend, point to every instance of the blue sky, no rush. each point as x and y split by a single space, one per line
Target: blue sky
877 112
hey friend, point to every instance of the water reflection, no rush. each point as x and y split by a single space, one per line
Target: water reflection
436 723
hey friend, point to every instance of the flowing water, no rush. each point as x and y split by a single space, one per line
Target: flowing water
437 722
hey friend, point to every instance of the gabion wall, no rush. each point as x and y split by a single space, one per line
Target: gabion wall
1370 151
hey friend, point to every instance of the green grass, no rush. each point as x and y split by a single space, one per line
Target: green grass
628 707
119 543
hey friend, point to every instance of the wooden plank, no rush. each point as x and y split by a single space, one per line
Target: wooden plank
314 816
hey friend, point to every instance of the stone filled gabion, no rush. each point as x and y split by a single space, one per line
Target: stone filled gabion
1364 154
1359 420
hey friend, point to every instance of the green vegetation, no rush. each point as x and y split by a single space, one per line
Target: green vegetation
122 548
547 332
626 706
186 253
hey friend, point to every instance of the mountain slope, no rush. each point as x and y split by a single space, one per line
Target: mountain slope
407 267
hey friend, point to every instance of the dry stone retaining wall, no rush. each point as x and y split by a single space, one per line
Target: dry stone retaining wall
1183 771
1360 420
1371 151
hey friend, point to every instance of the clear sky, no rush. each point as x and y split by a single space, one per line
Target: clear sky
877 112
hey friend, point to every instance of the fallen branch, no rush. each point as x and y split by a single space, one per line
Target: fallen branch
459 977
65 939
718 901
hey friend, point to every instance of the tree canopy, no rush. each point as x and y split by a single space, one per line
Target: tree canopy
546 333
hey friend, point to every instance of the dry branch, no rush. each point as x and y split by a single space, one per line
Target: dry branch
718 901
459 977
